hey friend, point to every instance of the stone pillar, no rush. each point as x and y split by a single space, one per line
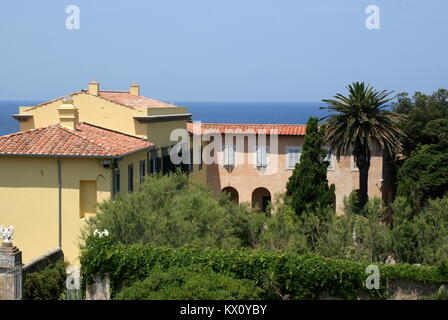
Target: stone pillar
10 272
100 289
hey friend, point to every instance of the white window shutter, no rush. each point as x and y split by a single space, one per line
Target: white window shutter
294 155
229 156
262 156
265 157
226 156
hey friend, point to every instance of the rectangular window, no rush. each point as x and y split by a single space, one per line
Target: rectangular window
130 178
229 156
116 182
149 161
262 156
188 167
167 165
142 170
158 164
293 155
154 162
87 198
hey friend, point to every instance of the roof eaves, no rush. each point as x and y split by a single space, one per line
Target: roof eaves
46 155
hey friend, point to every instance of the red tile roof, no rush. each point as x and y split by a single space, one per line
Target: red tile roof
126 99
280 129
86 141
123 98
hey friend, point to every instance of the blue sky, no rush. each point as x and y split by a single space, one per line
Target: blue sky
222 50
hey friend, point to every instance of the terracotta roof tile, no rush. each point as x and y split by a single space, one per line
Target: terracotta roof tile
280 129
120 97
87 140
133 101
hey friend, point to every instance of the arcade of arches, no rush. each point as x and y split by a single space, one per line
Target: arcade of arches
261 197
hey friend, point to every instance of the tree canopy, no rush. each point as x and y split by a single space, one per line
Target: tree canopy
423 173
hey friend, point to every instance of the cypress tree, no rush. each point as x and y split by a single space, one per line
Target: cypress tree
308 185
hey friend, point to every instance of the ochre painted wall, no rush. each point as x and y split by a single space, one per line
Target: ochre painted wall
29 199
91 109
107 114
29 202
159 132
123 166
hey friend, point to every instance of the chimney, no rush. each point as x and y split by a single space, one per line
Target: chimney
94 88
68 113
134 89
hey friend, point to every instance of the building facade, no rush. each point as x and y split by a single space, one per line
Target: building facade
258 172
78 150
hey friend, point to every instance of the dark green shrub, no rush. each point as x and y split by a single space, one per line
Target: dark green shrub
48 284
189 283
423 176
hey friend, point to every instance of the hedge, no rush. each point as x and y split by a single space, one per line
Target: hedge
46 284
298 276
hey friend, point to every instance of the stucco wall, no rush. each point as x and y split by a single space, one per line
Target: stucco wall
91 109
245 177
103 113
29 199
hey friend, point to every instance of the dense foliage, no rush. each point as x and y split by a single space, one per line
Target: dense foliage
189 283
209 221
423 173
423 176
47 284
421 237
308 185
293 276
171 211
420 110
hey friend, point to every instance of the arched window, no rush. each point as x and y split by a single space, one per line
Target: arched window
233 193
261 197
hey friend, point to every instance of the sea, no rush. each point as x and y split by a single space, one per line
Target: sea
221 112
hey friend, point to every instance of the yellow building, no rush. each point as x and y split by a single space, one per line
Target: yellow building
76 151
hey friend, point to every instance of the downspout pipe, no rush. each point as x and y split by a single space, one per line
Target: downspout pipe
59 204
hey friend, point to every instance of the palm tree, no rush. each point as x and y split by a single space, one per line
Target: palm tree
358 125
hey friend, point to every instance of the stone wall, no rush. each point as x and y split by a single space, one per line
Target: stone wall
43 261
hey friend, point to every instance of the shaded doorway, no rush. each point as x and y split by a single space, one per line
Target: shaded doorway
261 197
